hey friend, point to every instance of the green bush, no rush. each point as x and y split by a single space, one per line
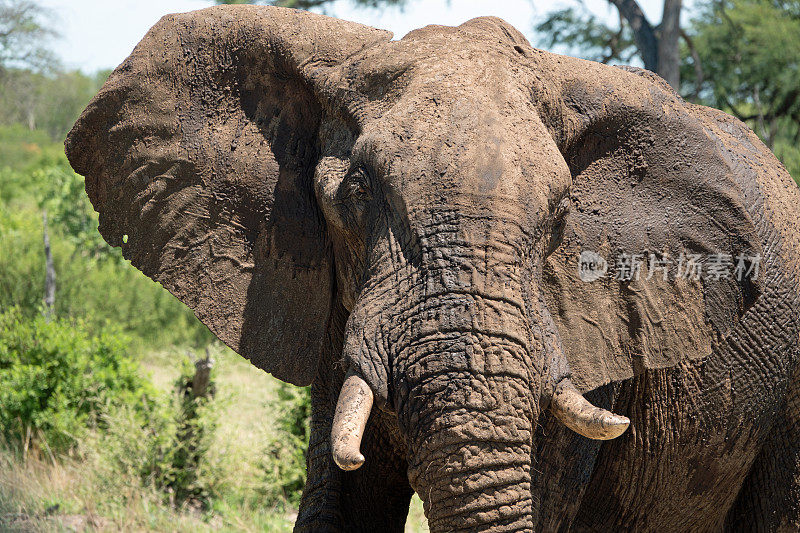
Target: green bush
196 423
167 450
57 379
284 464
22 149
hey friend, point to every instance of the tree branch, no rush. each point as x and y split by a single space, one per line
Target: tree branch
613 43
643 32
738 114
698 66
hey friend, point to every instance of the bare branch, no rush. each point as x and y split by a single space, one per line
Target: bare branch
738 114
698 65
50 273
643 31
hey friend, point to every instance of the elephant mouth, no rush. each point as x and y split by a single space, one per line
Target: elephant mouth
356 398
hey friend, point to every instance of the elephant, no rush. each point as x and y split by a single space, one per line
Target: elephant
541 292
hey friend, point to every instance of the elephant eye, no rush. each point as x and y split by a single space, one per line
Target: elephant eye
358 185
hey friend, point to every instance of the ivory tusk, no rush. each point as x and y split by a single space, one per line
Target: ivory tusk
349 420
569 406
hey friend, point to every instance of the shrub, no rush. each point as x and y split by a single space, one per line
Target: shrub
166 450
284 464
99 286
56 379
23 149
195 425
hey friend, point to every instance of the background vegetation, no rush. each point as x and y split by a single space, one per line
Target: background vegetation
100 423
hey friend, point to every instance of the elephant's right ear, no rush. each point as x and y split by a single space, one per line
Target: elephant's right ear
198 154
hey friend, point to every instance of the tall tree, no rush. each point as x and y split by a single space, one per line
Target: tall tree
24 36
749 52
658 46
740 56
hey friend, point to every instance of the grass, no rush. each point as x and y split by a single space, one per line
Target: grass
38 493
81 493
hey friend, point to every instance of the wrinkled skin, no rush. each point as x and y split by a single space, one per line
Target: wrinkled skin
329 201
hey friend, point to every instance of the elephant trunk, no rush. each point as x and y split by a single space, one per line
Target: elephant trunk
471 463
462 359
467 408
476 484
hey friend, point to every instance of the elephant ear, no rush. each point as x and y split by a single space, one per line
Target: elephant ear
653 186
198 154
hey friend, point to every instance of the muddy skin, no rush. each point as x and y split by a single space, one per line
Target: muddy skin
410 214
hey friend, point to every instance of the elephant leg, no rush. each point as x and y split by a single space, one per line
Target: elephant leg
373 498
564 464
376 497
769 499
320 508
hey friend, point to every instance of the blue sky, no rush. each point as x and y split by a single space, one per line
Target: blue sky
97 34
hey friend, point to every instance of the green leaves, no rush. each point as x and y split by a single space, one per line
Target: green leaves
94 281
24 35
741 56
284 464
749 52
49 101
749 45
64 197
56 379
581 33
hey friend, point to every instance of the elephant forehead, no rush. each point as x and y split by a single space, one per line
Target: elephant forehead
445 117
446 62
482 54
477 147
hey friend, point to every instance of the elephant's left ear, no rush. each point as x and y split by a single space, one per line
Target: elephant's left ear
199 153
660 257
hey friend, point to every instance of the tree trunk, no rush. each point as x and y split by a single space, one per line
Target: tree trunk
669 54
659 53
202 376
50 274
643 32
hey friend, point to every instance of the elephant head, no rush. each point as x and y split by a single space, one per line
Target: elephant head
271 167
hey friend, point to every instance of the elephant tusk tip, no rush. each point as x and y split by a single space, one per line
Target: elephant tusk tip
615 426
579 415
349 421
349 464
